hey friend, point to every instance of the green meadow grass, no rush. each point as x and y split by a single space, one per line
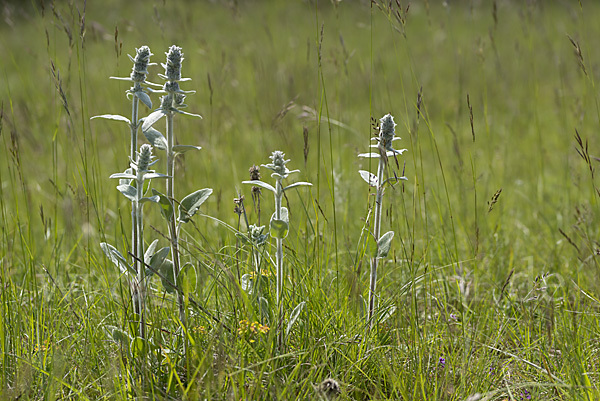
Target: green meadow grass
492 294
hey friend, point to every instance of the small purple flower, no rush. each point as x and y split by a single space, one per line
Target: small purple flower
525 395
442 362
453 316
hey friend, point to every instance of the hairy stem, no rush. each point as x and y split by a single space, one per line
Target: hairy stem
173 229
279 261
134 126
138 292
376 233
139 250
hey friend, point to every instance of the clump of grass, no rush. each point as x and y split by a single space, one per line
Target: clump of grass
382 242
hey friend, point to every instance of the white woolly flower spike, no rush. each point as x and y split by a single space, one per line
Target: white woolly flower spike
384 139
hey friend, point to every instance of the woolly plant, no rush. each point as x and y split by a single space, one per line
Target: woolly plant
279 227
385 150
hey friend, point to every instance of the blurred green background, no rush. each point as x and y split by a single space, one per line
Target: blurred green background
264 71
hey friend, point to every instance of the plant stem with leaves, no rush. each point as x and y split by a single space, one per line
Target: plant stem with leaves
137 93
135 193
171 104
279 225
382 243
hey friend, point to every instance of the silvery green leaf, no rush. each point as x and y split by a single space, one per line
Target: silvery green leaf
156 139
188 114
390 151
384 244
282 176
151 176
129 192
150 251
280 227
370 178
115 256
259 183
128 176
297 184
369 155
117 335
163 76
152 118
191 203
247 283
371 246
166 276
393 152
144 98
188 278
165 204
294 316
185 148
393 180
138 346
123 181
154 84
113 117
153 198
156 261
121 78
